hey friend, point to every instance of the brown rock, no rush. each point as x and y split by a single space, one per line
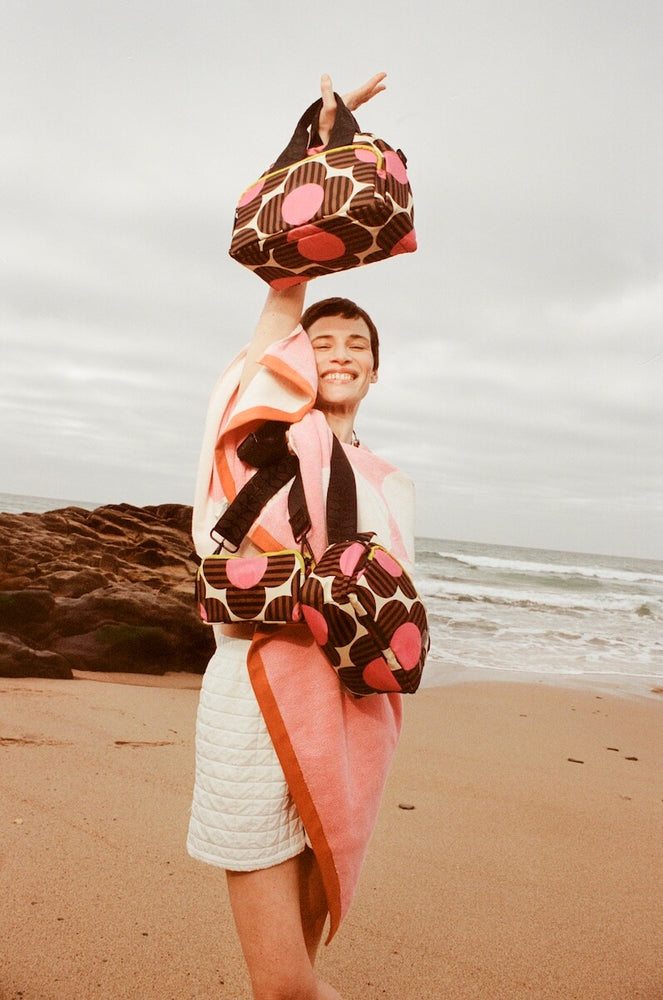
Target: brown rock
110 589
73 582
19 660
117 646
20 608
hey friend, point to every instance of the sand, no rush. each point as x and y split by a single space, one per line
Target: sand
530 866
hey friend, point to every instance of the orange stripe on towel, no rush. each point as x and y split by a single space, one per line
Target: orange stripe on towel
296 782
287 372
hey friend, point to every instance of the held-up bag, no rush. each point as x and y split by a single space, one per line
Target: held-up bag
327 210
359 603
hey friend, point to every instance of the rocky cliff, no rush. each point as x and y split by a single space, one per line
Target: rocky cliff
108 589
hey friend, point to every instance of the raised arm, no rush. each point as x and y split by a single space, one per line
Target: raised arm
283 309
279 317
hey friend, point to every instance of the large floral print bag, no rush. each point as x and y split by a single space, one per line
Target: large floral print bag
321 210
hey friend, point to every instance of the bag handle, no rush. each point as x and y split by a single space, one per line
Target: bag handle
342 134
341 501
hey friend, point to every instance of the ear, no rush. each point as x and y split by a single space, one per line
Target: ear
374 377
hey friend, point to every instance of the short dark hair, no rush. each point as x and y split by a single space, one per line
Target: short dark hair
348 310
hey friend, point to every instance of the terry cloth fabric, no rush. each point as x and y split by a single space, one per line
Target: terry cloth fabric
335 750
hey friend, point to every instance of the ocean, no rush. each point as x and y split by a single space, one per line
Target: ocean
508 611
498 611
14 503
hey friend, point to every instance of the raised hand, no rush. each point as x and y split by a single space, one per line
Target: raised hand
355 98
352 100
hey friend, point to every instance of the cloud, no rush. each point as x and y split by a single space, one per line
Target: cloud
520 380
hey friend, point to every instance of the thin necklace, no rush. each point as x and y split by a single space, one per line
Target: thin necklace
355 439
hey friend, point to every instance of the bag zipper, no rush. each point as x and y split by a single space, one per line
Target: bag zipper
315 156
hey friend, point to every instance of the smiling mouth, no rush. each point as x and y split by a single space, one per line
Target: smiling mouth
338 377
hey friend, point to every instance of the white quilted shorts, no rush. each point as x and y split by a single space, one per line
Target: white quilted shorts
242 816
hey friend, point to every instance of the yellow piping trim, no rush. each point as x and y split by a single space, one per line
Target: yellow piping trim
336 149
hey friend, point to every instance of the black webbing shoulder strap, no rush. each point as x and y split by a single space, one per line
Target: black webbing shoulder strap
341 500
235 522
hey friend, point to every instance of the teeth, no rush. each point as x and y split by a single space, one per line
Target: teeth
338 377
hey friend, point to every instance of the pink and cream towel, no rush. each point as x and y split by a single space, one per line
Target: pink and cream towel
335 749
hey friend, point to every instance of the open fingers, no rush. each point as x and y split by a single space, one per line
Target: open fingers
360 95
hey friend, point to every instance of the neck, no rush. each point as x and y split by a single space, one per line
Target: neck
341 424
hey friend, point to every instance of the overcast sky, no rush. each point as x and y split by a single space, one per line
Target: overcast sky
521 382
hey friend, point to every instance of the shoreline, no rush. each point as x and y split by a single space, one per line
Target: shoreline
619 685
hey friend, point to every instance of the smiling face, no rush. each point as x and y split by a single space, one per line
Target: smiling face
344 361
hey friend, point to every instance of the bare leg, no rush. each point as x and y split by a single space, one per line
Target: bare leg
279 914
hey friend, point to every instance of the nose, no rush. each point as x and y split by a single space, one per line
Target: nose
340 353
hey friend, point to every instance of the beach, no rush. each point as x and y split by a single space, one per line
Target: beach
527 863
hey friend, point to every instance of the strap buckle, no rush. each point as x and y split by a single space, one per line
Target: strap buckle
222 543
